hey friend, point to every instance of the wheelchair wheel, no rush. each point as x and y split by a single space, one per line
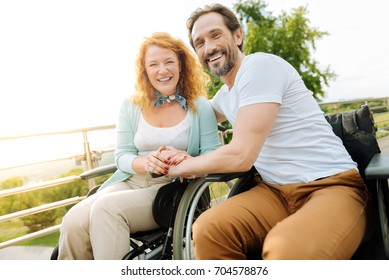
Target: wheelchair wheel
199 196
383 206
54 254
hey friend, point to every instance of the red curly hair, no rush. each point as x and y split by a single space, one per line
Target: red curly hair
193 80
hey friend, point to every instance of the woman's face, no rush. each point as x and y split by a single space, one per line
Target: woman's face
163 69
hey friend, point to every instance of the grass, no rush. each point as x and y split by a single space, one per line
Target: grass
381 120
11 229
15 228
50 240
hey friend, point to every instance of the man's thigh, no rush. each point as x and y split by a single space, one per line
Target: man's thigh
330 225
251 213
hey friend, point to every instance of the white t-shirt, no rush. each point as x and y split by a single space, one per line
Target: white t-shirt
149 138
301 146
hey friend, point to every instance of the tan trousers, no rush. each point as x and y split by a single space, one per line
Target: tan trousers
99 227
323 219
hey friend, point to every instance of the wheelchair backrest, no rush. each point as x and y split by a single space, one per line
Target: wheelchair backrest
357 131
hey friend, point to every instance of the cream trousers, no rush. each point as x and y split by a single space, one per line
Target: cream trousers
99 226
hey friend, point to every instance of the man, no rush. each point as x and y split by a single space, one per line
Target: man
309 202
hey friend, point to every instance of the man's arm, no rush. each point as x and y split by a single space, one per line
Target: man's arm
251 129
219 117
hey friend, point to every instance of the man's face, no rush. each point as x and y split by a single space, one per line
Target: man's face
215 45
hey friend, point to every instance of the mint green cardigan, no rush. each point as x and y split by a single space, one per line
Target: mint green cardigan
203 137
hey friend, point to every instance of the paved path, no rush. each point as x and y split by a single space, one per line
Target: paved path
26 253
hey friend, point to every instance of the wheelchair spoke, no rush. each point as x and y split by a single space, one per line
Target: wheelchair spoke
197 198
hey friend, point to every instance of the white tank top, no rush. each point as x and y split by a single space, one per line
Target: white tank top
149 138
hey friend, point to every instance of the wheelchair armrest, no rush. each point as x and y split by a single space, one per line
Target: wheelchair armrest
221 127
98 171
378 167
225 177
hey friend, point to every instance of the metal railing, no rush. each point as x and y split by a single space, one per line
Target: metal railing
92 159
377 110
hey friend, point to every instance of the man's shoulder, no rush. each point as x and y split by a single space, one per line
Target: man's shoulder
262 56
265 63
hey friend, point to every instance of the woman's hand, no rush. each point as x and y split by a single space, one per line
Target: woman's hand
155 164
172 156
158 162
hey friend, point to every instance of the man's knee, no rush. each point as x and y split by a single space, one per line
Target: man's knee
279 248
209 225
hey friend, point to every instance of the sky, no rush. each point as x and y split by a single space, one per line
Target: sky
69 64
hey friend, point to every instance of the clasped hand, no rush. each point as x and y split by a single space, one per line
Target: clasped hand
158 162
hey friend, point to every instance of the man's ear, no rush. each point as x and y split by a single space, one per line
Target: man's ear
238 36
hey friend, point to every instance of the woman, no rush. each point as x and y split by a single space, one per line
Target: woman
168 117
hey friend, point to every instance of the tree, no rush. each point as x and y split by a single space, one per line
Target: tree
11 203
288 36
49 218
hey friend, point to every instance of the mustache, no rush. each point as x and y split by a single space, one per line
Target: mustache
214 52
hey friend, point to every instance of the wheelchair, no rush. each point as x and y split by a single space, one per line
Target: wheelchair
157 244
173 240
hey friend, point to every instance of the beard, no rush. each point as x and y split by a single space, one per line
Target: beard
219 69
222 70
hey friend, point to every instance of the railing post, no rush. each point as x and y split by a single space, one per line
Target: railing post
88 158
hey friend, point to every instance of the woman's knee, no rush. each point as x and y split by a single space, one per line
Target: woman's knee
74 220
102 206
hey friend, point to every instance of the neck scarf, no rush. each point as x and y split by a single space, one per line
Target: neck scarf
161 99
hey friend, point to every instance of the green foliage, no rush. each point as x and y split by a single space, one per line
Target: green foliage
288 36
49 218
101 179
13 182
7 204
215 84
340 107
376 106
38 221
72 189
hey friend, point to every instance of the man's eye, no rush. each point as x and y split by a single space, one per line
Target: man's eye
199 45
